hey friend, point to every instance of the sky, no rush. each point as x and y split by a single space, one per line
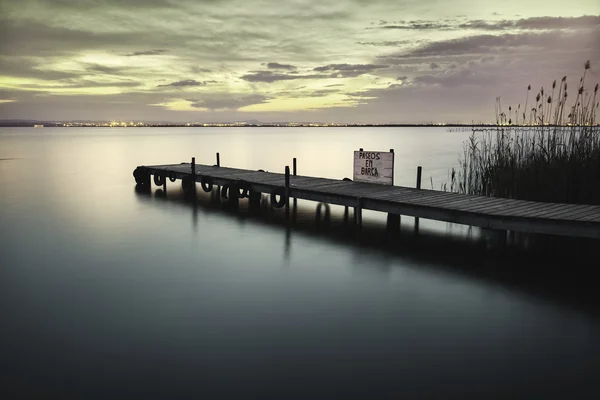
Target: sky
350 61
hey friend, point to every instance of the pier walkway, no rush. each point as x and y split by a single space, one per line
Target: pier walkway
484 212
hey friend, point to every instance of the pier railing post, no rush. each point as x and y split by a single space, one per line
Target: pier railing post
287 192
419 170
218 160
193 176
295 205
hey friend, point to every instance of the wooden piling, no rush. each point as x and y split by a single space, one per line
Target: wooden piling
393 220
419 170
218 160
295 205
358 214
287 192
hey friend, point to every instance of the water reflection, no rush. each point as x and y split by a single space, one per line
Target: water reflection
376 252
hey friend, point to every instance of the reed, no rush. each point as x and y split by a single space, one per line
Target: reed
550 158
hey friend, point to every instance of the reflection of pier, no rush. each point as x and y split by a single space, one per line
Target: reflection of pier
496 215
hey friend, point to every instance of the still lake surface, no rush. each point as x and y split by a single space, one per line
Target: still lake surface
106 292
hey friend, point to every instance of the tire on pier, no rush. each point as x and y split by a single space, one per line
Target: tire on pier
159 178
225 191
278 192
347 179
187 184
142 176
172 176
242 188
207 184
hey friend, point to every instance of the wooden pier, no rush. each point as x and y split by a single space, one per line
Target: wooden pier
493 214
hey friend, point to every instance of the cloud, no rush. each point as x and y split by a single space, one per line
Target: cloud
420 26
533 23
270 77
146 53
434 65
524 42
227 101
402 78
389 43
186 82
349 70
274 65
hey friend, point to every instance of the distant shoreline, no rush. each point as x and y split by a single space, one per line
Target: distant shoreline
238 125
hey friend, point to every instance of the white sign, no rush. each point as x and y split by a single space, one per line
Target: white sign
374 167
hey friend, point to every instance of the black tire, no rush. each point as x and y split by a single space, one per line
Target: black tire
347 179
141 176
159 179
242 189
278 192
207 184
172 176
187 184
225 192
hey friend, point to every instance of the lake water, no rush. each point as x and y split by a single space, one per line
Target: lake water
110 293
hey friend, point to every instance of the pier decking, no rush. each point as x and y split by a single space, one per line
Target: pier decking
485 212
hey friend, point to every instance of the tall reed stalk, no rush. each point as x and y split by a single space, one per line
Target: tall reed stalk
553 159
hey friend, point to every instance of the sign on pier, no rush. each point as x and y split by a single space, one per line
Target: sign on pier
374 167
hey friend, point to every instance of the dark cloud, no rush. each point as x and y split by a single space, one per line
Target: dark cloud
402 78
535 23
183 83
147 53
270 77
274 65
84 83
322 92
389 43
228 101
105 69
348 70
434 65
527 42
421 26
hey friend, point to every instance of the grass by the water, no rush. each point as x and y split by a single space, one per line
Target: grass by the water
542 157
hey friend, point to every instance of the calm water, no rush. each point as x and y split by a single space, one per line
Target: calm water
111 293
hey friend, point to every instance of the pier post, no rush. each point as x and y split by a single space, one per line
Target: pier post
254 201
419 171
295 206
358 215
393 220
218 160
193 177
287 192
393 223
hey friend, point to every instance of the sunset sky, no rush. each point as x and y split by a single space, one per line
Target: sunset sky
352 61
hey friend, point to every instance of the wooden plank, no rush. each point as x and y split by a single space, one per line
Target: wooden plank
448 202
589 217
572 214
534 210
